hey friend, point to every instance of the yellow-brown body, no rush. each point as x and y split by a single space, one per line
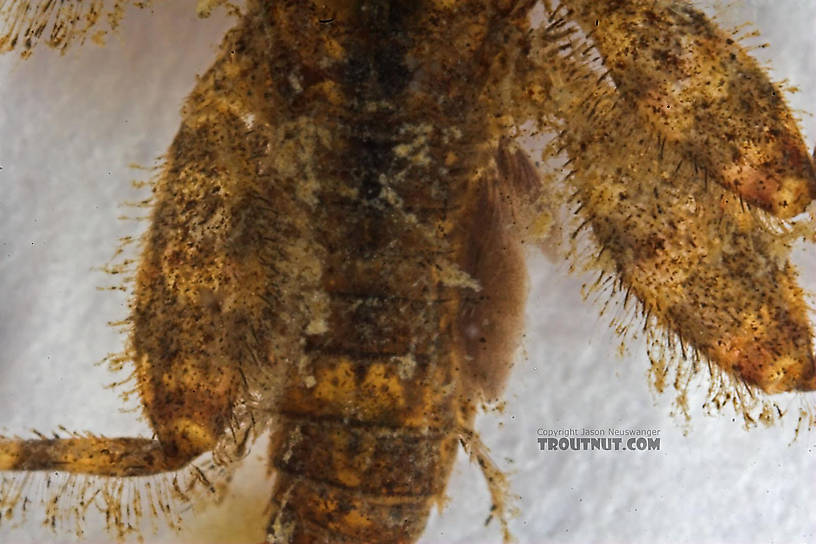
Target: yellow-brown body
354 289
334 249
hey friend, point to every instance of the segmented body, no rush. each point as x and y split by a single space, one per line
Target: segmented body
318 229
334 249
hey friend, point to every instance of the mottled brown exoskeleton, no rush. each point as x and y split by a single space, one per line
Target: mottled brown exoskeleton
335 244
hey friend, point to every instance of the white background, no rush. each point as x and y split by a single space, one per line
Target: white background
72 125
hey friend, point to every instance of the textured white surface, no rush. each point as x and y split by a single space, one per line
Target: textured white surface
71 126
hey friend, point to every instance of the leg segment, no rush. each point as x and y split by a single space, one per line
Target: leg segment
91 455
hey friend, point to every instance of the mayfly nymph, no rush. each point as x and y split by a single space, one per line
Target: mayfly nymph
335 247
